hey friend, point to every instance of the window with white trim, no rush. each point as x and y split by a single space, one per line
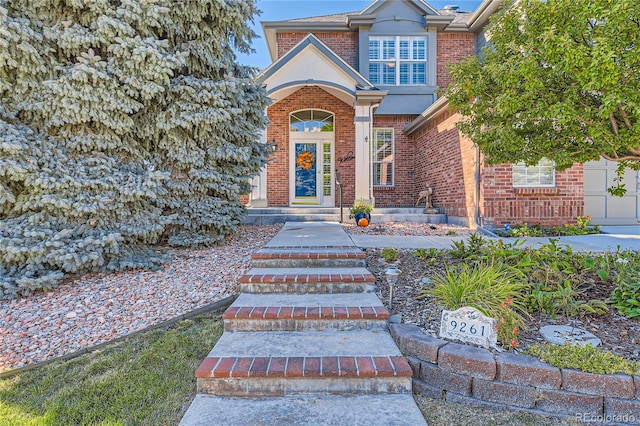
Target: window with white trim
382 155
542 174
398 61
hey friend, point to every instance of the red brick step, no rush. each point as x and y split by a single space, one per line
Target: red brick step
296 257
306 280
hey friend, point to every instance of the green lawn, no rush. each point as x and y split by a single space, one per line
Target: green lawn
147 379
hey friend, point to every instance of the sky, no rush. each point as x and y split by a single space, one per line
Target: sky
277 10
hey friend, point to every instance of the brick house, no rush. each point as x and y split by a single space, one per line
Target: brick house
354 97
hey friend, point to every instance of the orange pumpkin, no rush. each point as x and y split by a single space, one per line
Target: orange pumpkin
363 222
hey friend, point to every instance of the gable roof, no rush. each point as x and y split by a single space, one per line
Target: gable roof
312 40
419 5
312 63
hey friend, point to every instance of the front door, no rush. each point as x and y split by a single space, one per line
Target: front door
311 168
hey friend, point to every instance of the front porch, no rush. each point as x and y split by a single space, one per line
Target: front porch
271 215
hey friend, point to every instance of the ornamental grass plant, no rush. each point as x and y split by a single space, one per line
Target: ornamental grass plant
494 289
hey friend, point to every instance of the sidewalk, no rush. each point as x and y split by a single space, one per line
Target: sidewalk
592 243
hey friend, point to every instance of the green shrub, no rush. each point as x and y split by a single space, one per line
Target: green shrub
582 227
585 358
430 255
484 287
470 249
390 254
626 295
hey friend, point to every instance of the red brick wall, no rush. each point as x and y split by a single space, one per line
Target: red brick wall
547 206
445 161
451 49
344 44
278 129
401 194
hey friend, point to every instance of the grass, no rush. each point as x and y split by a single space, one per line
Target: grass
147 379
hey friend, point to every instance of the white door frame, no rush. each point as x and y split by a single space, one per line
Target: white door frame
320 138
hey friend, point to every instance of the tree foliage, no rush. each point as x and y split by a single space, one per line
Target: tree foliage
559 79
123 124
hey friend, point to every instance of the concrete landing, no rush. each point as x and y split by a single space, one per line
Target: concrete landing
306 344
317 410
310 234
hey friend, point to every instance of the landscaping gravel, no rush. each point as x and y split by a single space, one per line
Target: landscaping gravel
95 308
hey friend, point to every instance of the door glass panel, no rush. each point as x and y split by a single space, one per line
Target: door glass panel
306 180
326 169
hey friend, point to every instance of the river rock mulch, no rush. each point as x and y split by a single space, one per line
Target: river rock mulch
91 309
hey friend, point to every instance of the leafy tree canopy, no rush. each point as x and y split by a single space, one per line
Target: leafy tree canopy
558 79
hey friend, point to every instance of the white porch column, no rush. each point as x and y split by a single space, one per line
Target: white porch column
363 172
258 197
366 102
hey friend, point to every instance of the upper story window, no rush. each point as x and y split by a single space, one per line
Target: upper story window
311 120
398 60
542 174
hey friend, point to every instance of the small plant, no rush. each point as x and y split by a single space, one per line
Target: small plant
451 232
586 358
430 255
360 207
583 222
508 325
390 254
525 230
582 227
626 295
469 250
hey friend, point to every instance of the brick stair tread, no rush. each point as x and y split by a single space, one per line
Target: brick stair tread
306 307
307 275
309 409
305 344
304 367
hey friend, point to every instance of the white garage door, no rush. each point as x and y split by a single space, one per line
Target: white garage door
604 208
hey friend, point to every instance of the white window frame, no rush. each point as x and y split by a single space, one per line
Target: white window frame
385 170
388 58
524 176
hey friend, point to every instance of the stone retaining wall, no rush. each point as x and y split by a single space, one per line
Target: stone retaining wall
475 376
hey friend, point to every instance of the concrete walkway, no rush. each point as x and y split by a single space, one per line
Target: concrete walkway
306 342
614 238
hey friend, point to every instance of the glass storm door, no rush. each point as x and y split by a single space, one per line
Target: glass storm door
312 173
